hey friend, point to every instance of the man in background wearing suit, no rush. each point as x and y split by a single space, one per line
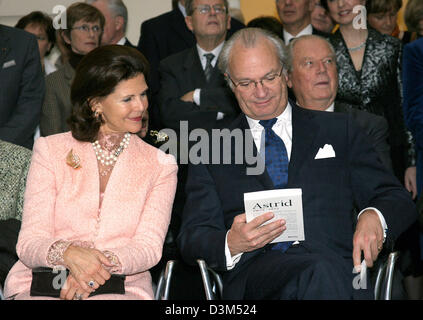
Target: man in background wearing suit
334 185
116 15
21 86
192 87
296 18
163 36
313 76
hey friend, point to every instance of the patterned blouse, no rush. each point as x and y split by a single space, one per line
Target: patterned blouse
378 87
14 165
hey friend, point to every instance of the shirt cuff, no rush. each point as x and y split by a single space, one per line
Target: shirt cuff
196 96
382 220
230 261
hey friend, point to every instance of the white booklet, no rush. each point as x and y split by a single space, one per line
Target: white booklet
285 204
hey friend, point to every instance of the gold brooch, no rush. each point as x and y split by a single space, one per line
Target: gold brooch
159 136
73 160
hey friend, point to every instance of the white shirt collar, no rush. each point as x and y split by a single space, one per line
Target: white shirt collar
331 108
122 41
284 117
215 51
183 10
306 31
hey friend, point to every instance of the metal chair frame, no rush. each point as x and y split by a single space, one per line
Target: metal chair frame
213 285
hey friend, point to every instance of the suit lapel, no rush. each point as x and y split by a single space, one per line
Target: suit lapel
262 177
180 27
304 131
4 47
194 69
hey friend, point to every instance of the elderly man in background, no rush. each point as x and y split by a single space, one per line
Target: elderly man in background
313 77
116 15
296 18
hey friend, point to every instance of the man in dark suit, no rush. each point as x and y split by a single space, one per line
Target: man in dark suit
296 18
326 155
116 16
22 86
163 36
313 77
192 87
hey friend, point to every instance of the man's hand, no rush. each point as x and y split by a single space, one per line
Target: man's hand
410 181
368 237
245 237
188 97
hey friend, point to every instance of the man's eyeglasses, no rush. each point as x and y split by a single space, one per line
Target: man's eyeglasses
206 9
85 28
248 85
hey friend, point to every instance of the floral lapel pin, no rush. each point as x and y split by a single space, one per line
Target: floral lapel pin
73 160
159 137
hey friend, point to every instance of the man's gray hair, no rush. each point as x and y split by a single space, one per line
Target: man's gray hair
189 6
292 44
249 38
117 8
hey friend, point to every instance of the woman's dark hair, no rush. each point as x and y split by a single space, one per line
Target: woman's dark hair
413 14
97 76
40 19
269 23
324 4
383 6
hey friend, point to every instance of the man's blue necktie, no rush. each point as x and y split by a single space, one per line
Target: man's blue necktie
276 162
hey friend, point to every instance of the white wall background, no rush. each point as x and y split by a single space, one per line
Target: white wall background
138 11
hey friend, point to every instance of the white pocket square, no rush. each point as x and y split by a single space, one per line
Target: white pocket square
9 64
325 152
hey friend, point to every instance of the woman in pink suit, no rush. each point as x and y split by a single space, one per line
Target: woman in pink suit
98 199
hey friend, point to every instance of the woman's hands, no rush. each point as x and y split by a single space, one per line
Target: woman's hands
72 290
86 266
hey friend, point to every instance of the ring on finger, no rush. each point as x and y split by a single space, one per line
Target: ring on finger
91 284
77 296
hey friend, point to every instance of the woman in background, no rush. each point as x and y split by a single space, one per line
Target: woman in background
40 25
369 67
413 17
382 15
83 34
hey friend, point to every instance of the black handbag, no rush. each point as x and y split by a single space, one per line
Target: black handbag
45 283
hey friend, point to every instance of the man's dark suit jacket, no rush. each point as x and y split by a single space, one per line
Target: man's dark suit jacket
332 190
21 86
182 73
376 127
161 37
315 32
128 43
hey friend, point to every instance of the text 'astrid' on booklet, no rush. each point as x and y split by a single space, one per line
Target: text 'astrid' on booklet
285 204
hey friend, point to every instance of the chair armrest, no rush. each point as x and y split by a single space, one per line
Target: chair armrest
209 288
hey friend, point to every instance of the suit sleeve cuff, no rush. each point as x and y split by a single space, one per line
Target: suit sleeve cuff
381 218
196 96
230 261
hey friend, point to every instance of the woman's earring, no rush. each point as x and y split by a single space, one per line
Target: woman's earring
97 115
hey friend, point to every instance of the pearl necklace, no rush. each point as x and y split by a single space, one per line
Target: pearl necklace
109 158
